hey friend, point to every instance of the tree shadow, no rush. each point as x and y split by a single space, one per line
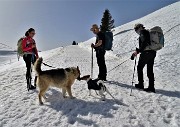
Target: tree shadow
76 109
124 31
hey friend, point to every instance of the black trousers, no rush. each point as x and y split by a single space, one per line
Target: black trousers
146 57
29 58
100 55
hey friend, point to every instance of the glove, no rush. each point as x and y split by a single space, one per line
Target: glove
92 45
134 55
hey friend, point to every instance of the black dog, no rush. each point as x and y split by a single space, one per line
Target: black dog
96 85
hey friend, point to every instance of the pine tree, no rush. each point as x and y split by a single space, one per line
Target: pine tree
107 22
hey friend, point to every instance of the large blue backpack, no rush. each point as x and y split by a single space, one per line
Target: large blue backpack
108 40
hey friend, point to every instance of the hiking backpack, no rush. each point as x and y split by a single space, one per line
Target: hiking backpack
156 39
19 48
108 40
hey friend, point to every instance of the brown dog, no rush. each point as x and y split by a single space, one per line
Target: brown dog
61 78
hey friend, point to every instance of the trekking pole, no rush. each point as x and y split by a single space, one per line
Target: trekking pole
92 64
133 75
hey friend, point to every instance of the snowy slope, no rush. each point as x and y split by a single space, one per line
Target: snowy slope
168 59
20 108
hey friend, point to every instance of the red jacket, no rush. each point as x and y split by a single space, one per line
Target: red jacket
27 43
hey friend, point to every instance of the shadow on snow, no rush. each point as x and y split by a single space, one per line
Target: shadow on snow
76 109
158 91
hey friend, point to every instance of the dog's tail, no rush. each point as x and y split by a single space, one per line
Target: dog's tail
37 66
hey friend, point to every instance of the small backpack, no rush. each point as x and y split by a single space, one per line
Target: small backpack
108 40
156 38
19 48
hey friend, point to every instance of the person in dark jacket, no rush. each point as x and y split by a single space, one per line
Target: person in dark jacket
100 51
146 58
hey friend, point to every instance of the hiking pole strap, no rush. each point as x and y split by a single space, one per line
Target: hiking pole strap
133 75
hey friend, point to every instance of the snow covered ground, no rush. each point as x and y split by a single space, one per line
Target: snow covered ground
20 108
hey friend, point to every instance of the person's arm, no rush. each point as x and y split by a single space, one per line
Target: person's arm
100 40
36 52
98 44
35 49
143 41
25 49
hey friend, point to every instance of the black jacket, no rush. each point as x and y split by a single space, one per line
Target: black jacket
144 40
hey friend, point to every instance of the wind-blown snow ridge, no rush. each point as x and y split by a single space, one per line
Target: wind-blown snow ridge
20 108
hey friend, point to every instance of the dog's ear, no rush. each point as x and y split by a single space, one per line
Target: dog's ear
77 67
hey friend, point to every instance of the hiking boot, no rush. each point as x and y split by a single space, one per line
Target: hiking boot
32 87
139 86
150 89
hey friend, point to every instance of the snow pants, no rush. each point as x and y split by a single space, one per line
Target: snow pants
146 57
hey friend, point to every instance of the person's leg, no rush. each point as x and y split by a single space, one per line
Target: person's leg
33 59
98 61
150 72
142 62
103 69
27 59
140 67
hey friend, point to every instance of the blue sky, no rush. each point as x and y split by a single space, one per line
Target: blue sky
60 22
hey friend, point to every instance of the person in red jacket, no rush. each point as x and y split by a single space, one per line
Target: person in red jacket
30 54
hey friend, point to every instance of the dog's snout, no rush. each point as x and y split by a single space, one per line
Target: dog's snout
78 78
